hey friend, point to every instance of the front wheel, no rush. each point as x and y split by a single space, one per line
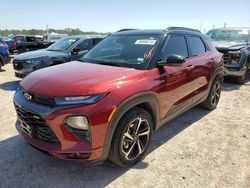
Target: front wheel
241 79
131 138
214 95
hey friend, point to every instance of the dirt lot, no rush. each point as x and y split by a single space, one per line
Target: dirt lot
198 149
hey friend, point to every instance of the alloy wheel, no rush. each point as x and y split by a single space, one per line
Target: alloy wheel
216 93
135 139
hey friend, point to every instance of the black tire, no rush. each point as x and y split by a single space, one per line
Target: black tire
241 79
214 95
1 64
127 147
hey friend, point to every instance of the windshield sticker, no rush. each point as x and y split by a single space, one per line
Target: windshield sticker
145 42
140 59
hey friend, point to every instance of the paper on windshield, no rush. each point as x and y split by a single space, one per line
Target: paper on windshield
145 42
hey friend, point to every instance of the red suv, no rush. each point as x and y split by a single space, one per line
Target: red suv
109 104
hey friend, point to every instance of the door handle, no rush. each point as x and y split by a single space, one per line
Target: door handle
190 67
211 60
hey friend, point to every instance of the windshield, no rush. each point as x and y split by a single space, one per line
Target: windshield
240 36
63 44
134 51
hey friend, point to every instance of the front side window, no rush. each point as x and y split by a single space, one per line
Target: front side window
85 45
20 39
196 45
239 36
134 51
175 45
63 44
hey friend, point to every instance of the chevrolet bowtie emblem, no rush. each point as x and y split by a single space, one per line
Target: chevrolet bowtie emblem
27 96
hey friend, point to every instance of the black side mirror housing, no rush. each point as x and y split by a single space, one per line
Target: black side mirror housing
173 60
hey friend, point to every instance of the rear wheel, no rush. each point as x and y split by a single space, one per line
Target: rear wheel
214 95
131 138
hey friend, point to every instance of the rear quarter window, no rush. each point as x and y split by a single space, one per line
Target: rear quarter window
197 47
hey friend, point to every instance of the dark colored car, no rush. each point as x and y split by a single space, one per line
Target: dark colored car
234 43
65 50
24 43
4 54
122 91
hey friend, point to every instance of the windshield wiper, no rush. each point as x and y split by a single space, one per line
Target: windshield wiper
110 63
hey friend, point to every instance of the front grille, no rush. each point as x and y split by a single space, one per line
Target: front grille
80 134
18 65
39 126
227 57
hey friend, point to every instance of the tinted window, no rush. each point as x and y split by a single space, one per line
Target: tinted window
175 45
30 39
96 41
85 45
197 46
20 39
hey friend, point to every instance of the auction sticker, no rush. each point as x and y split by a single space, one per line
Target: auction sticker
145 42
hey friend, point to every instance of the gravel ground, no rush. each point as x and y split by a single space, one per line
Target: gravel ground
197 149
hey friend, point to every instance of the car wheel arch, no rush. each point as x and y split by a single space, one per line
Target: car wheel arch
146 101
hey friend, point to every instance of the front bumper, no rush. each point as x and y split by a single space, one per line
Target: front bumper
69 145
22 68
234 71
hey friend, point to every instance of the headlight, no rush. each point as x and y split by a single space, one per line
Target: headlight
78 122
235 56
90 99
36 60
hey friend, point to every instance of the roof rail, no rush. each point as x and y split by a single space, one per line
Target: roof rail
125 30
183 28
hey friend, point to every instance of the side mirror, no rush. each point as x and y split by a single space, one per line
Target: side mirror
173 60
76 50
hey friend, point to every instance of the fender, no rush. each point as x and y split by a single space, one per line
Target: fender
244 58
149 98
55 62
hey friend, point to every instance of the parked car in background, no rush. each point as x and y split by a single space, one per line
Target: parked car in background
53 37
234 43
4 54
65 50
24 43
125 88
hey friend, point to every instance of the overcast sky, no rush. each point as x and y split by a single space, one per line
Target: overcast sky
112 15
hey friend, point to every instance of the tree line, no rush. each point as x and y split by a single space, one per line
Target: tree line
68 31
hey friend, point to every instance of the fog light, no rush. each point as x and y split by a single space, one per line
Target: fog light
78 122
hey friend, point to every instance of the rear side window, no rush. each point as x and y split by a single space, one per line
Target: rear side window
197 46
30 39
175 45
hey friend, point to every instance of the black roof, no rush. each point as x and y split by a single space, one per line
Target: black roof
140 32
157 31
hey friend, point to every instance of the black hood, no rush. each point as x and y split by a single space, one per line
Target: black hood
38 54
225 45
